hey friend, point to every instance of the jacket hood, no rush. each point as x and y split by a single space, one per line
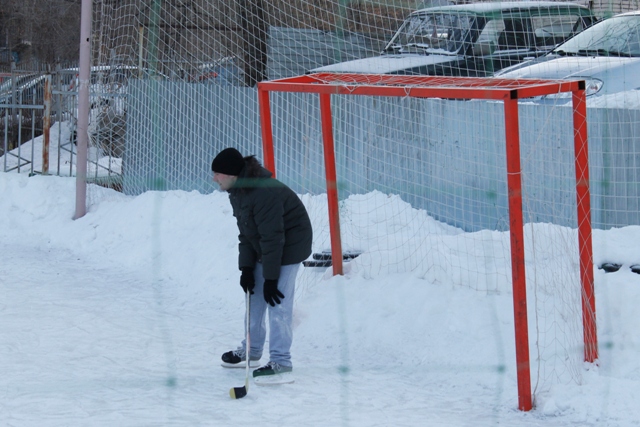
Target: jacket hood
252 175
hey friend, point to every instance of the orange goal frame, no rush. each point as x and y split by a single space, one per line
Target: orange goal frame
508 91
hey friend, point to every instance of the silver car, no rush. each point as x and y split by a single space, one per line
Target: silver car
606 55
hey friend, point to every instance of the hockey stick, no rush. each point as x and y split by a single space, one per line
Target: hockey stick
240 392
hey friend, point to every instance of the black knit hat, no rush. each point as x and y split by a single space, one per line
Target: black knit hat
229 162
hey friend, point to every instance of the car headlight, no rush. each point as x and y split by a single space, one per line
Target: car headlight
593 86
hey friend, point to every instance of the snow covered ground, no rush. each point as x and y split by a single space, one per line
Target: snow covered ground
119 318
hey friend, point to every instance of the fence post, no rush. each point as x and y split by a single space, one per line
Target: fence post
46 124
14 88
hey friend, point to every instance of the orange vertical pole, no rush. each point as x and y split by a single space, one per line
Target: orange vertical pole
584 225
516 227
332 188
267 130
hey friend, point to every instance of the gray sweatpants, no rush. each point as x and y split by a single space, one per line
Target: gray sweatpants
280 317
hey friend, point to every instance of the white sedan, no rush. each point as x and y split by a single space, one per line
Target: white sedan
605 55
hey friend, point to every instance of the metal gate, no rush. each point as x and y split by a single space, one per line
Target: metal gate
38 115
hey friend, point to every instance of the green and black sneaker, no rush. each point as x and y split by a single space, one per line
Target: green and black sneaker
273 373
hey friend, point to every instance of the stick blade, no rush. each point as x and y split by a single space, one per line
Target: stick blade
238 392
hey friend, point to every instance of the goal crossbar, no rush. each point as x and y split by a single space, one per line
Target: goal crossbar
462 88
421 86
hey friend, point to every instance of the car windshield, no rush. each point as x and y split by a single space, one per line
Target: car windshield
617 36
431 33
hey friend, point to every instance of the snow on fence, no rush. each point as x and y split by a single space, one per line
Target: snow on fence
174 151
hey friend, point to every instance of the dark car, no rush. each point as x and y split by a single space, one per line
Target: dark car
473 40
224 71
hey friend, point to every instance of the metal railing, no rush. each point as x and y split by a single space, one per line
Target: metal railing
38 113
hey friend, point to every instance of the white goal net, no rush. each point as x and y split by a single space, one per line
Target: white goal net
422 183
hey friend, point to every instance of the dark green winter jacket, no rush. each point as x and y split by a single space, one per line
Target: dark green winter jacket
274 225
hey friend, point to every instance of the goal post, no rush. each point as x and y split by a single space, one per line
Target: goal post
516 225
457 88
584 224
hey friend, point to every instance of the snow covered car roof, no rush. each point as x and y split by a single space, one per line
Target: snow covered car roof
506 7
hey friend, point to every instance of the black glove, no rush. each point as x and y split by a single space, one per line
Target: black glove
271 293
246 280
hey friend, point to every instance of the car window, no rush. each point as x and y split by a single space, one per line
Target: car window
633 41
617 36
437 31
491 31
552 30
515 34
503 34
488 39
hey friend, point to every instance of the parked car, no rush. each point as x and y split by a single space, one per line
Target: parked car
472 39
224 71
606 56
